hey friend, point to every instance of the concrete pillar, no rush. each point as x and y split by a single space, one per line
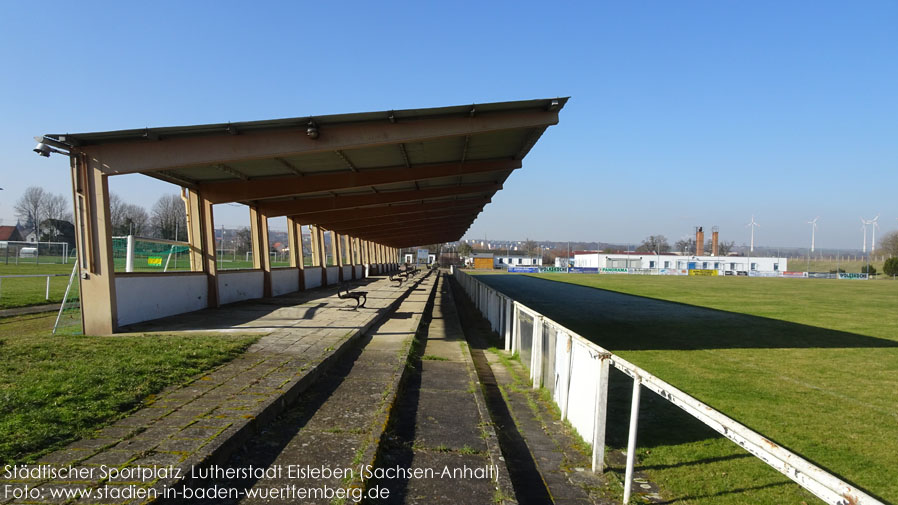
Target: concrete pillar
322 256
337 243
93 234
261 254
201 235
294 241
353 260
315 245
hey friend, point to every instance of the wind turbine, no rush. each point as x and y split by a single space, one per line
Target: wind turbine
873 230
753 224
813 224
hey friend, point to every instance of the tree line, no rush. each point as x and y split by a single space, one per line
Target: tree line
41 212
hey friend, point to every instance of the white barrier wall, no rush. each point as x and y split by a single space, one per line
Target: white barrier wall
284 280
145 297
347 272
576 370
359 272
333 275
313 277
241 285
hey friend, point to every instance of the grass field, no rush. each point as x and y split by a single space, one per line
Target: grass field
812 364
54 390
21 292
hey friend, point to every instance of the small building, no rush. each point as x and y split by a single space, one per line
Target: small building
516 261
481 261
10 234
726 265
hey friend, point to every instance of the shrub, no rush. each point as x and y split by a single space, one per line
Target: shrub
891 266
868 269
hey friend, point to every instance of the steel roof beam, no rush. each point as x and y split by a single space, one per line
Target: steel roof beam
339 216
423 238
141 156
305 205
237 191
410 225
415 233
402 219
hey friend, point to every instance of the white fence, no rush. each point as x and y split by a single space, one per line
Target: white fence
571 366
47 288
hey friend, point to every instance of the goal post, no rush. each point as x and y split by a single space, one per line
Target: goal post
143 254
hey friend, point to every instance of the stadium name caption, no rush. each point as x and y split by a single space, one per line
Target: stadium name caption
366 472
305 472
83 473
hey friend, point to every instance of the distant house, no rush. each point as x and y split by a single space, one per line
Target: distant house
481 261
514 261
10 234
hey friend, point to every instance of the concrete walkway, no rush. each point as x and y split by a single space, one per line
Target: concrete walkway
336 426
441 424
201 422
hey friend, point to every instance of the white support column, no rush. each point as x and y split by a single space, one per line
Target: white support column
516 327
601 413
631 439
509 323
536 367
567 380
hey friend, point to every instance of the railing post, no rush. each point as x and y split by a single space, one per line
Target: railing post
509 305
516 327
631 439
601 414
47 294
537 354
567 380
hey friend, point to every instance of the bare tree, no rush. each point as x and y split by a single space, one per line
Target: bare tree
128 218
116 209
655 244
243 240
169 218
888 244
57 207
724 248
685 245
30 208
531 248
135 220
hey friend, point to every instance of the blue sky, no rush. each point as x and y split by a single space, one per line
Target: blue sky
682 113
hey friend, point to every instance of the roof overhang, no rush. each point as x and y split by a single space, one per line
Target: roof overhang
401 177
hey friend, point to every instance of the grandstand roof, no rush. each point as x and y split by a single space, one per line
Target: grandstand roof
397 177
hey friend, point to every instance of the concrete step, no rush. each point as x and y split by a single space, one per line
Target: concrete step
334 429
440 426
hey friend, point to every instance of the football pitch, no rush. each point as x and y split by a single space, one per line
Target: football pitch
811 364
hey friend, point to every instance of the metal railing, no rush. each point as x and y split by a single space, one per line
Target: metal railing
571 366
47 291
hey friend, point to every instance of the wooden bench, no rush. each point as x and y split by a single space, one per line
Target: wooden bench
397 279
360 297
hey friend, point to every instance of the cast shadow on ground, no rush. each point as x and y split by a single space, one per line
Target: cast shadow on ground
236 316
622 322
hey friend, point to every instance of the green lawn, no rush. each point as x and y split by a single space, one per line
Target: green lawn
812 364
54 389
21 292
